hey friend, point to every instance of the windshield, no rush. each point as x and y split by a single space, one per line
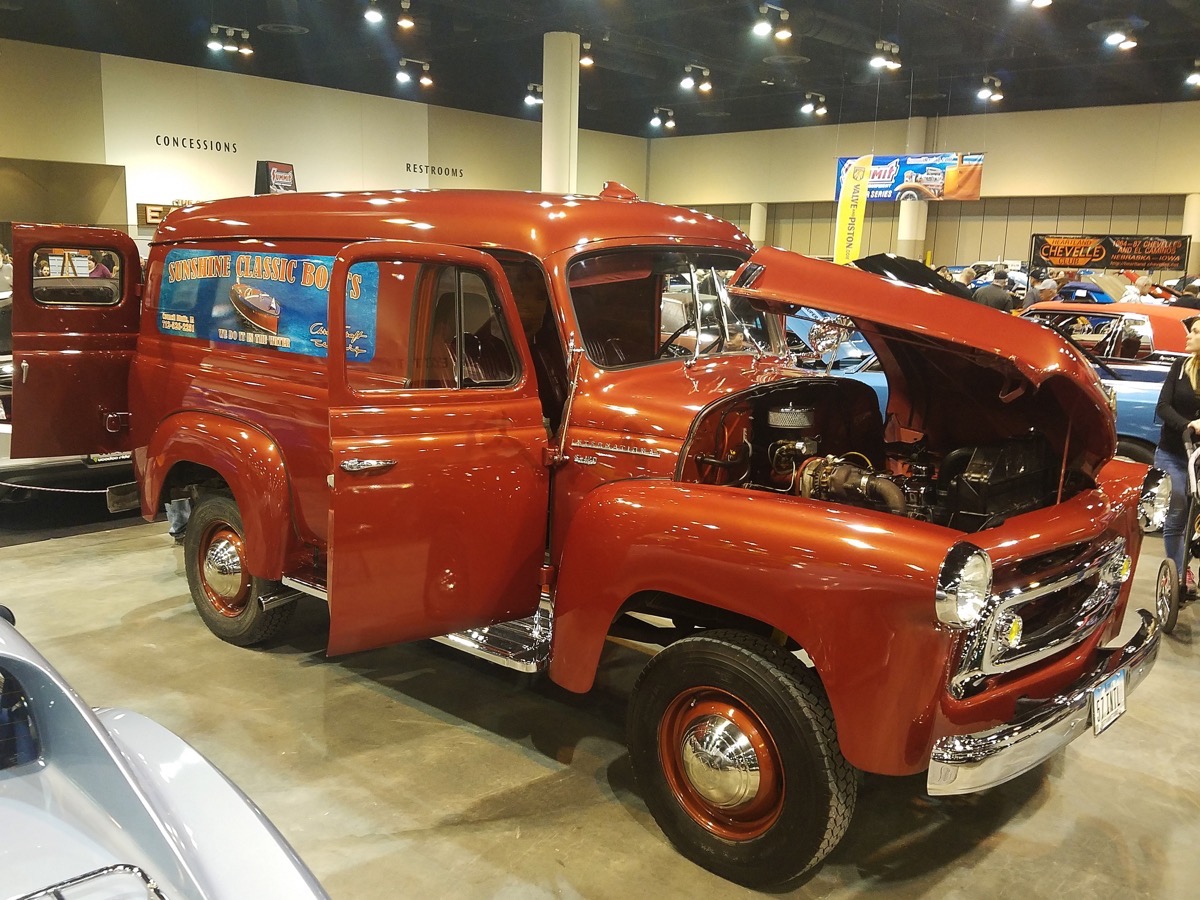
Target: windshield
638 306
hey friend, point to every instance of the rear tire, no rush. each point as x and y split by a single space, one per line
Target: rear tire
1166 595
225 593
734 749
1136 452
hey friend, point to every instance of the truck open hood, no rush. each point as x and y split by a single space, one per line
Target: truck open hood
958 372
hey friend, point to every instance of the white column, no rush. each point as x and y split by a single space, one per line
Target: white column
914 214
758 224
1191 227
560 112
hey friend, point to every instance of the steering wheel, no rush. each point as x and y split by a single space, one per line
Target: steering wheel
667 344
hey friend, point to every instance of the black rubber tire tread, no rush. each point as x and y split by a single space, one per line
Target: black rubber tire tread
800 695
1133 450
1176 592
255 625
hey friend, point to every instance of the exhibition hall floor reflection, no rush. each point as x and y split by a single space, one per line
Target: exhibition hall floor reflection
416 771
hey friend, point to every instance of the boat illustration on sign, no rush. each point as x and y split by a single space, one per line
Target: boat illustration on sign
258 308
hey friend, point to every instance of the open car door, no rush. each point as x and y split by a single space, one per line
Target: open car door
76 303
439 483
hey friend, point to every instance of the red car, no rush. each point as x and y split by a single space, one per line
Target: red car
1119 330
519 423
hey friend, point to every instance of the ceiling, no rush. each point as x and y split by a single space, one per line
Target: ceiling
484 53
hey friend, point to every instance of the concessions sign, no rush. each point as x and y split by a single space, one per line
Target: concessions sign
274 178
1110 251
926 176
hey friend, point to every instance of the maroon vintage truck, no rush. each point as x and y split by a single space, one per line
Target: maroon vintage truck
519 423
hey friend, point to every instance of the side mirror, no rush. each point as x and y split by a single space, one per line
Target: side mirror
7 615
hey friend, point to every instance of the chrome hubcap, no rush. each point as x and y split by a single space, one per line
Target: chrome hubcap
719 762
223 569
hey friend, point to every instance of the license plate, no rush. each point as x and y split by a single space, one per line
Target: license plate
1108 701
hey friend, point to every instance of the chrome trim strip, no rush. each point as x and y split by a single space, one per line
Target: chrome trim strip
522 644
963 764
54 891
312 588
983 655
617 448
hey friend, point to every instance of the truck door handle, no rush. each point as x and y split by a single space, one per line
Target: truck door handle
366 465
24 371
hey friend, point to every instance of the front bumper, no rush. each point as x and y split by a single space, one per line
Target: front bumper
963 764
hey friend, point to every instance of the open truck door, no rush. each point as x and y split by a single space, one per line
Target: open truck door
76 303
440 488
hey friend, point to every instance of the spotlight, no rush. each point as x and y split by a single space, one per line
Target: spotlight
784 31
663 118
534 95
406 20
230 45
763 26
1115 37
705 86
1128 44
887 55
214 43
244 48
991 89
1194 78
687 82
426 79
403 76
587 59
1041 4
814 104
372 13
879 60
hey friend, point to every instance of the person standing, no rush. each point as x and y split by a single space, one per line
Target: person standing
1043 292
1179 409
996 294
1139 291
6 272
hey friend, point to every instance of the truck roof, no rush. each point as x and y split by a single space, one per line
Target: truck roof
524 221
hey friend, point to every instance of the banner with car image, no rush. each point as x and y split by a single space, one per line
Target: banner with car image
1111 251
918 176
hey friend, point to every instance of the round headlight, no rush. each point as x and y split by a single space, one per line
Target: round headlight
1156 499
964 586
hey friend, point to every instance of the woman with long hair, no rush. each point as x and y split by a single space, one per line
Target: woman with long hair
1179 409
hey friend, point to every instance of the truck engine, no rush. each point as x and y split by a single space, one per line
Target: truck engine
823 439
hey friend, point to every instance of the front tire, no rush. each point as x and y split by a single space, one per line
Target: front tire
225 593
734 749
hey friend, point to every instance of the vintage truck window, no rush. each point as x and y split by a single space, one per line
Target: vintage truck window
638 306
76 276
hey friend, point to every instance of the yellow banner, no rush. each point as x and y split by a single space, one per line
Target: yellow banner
852 211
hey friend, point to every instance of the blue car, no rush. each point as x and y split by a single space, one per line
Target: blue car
1137 427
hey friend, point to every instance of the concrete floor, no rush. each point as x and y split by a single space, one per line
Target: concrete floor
417 771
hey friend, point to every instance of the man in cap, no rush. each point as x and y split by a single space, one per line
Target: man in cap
1042 292
996 294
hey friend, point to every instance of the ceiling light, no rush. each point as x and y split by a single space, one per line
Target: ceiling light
372 13
214 42
404 77
705 86
814 104
887 55
230 45
687 82
763 26
663 118
784 31
244 48
1128 44
991 89
426 79
586 59
1041 4
1194 78
534 95
1114 38
406 20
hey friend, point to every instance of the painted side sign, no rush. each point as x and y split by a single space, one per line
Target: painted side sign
266 300
924 176
1111 251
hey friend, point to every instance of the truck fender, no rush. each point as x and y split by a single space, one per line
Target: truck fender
855 591
249 461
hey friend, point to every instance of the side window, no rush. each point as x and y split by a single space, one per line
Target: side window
18 736
436 327
77 276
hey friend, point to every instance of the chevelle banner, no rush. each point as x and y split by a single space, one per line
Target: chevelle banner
1111 251
924 176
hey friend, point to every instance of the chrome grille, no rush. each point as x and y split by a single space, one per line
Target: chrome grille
1060 610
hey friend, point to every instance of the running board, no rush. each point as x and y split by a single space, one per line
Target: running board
313 588
522 644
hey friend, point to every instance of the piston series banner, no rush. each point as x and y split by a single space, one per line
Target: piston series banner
852 211
924 176
1111 251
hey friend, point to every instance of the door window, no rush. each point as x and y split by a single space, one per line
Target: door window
77 276
436 327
